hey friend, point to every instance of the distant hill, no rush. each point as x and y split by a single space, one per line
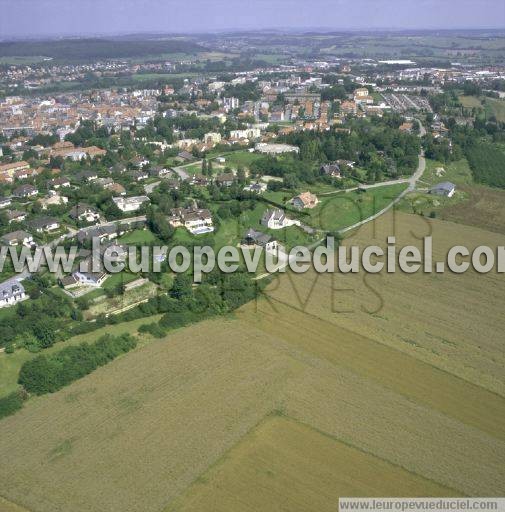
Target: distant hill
84 50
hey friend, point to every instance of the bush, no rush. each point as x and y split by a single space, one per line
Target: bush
11 403
47 374
154 329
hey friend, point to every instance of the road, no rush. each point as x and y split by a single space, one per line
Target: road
182 173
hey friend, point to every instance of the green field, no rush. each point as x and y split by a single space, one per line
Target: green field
236 159
345 209
491 106
138 237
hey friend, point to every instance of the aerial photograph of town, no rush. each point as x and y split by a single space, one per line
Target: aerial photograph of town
252 256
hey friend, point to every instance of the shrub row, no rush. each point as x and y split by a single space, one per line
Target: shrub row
47 374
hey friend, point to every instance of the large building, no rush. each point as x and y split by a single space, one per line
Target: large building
11 292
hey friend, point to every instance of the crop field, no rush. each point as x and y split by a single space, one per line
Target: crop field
328 385
281 451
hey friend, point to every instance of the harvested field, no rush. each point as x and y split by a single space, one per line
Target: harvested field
280 452
485 208
389 384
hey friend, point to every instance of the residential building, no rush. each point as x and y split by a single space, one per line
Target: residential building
276 219
305 200
130 204
254 238
84 213
25 191
331 170
11 292
13 167
52 199
15 216
275 149
44 224
197 221
225 179
17 238
257 188
4 202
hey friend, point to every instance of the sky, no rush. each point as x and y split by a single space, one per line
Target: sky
28 18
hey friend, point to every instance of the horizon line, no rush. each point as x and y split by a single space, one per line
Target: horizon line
299 30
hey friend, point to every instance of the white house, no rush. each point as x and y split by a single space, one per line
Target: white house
84 212
130 204
275 149
11 292
276 219
197 221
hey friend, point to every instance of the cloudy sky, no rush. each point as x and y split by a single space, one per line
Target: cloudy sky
19 18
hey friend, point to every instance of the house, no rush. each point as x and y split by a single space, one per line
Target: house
15 216
212 138
444 189
276 219
305 200
140 162
86 176
348 107
159 172
199 179
11 292
84 213
254 238
103 233
130 204
44 224
4 202
104 182
361 92
17 238
226 179
13 167
25 191
139 175
69 282
21 175
197 221
90 278
116 188
74 154
185 156
52 199
56 183
94 151
332 170
257 188
275 149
